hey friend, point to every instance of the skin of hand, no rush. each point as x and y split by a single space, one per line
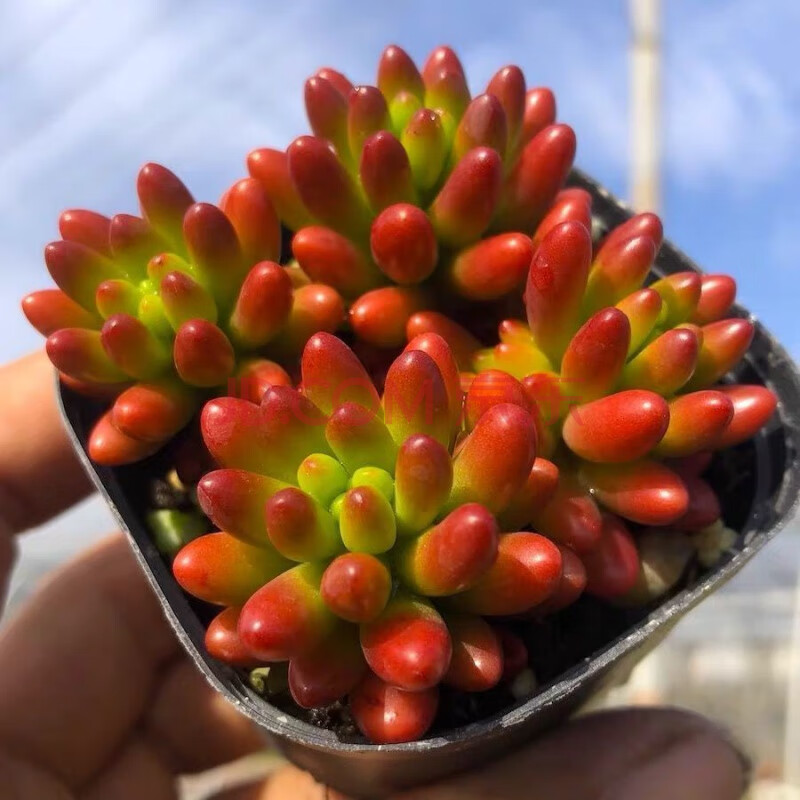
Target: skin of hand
97 702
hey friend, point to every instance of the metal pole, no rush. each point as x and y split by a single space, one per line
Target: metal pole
645 99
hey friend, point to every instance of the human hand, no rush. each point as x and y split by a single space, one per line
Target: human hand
98 702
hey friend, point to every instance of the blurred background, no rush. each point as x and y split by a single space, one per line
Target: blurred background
686 108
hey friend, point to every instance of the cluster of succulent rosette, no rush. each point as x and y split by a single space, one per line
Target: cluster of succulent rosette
159 310
410 195
385 506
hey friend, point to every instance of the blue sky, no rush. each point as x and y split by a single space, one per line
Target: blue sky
91 89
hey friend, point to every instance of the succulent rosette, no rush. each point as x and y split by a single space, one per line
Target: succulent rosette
370 541
626 380
412 194
159 310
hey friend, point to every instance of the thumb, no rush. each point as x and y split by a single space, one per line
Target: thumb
660 754
39 473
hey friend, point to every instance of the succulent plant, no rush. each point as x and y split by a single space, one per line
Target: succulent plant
371 540
160 310
411 194
381 520
625 378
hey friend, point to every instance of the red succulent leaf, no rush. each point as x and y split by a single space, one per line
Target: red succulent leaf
453 555
752 408
620 427
224 570
612 567
356 586
646 492
286 617
388 715
477 661
526 572
403 243
696 422
408 645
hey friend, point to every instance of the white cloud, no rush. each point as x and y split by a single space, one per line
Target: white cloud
187 88
732 95
114 85
96 88
731 90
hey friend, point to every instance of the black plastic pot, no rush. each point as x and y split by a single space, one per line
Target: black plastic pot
758 483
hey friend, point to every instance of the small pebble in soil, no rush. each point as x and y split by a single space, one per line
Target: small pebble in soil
524 685
168 494
335 717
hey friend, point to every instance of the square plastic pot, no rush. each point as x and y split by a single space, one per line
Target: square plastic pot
759 492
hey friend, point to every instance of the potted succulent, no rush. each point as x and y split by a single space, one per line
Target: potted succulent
419 435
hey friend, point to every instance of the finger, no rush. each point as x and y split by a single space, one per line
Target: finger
287 783
90 659
244 793
22 780
193 727
137 772
39 472
189 728
624 755
593 756
254 792
706 767
79 664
